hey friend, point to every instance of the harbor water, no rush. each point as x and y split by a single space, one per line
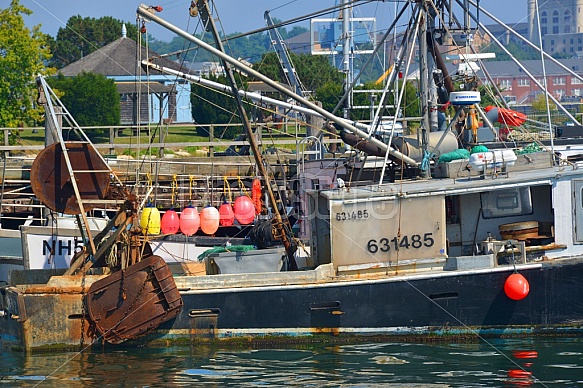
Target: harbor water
544 362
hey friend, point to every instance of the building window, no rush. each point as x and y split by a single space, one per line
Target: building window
571 41
556 17
552 42
566 16
543 31
559 81
506 84
568 30
523 82
577 92
571 49
576 81
555 29
543 17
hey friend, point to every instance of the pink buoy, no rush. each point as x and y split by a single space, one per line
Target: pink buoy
189 220
244 210
226 215
516 287
170 222
209 220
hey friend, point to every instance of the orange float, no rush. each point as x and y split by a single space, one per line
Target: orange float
170 222
189 220
244 210
209 220
256 195
516 287
226 215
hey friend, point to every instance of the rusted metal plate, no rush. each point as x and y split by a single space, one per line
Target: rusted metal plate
51 181
134 301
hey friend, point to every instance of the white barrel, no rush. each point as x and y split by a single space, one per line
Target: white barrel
492 159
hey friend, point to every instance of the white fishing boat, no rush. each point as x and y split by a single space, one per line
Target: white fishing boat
484 246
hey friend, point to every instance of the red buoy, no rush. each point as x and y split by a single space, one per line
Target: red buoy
209 220
170 223
256 195
525 353
519 373
226 215
244 210
189 220
516 287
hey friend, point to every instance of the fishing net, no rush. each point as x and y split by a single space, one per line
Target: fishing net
529 149
479 148
454 155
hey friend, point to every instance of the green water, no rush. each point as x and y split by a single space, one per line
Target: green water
554 362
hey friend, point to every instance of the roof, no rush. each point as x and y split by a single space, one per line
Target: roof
534 67
144 87
119 58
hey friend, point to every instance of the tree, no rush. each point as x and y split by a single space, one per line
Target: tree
539 104
23 53
81 36
212 107
91 98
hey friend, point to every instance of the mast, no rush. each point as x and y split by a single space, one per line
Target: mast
146 12
346 55
282 227
282 54
424 87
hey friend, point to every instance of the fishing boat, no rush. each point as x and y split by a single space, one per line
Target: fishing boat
488 244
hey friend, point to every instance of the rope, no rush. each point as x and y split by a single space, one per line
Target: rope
227 190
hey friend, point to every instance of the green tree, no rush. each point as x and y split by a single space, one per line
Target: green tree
519 52
23 53
212 107
91 98
539 104
81 36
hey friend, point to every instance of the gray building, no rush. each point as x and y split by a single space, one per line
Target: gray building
160 98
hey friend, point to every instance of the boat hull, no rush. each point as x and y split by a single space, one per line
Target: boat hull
446 305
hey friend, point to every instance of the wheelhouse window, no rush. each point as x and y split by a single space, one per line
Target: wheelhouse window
506 203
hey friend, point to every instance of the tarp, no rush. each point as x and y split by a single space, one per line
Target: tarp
504 116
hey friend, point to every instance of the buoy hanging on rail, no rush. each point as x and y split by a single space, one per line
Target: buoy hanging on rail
150 219
516 287
189 220
244 210
256 195
209 219
226 215
170 222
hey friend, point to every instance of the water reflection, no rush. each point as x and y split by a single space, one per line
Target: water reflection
555 362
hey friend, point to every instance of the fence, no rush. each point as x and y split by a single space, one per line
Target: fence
112 147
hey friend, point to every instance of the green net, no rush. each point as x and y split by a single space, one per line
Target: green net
221 249
454 155
479 148
529 149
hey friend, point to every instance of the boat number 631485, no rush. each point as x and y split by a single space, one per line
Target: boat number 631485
414 241
353 215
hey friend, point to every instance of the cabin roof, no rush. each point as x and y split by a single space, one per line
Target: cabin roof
118 58
450 186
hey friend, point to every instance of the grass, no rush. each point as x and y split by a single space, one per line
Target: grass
175 134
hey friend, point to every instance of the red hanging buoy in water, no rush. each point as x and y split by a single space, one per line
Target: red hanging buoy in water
170 222
244 210
209 219
256 195
519 374
226 215
189 220
516 287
